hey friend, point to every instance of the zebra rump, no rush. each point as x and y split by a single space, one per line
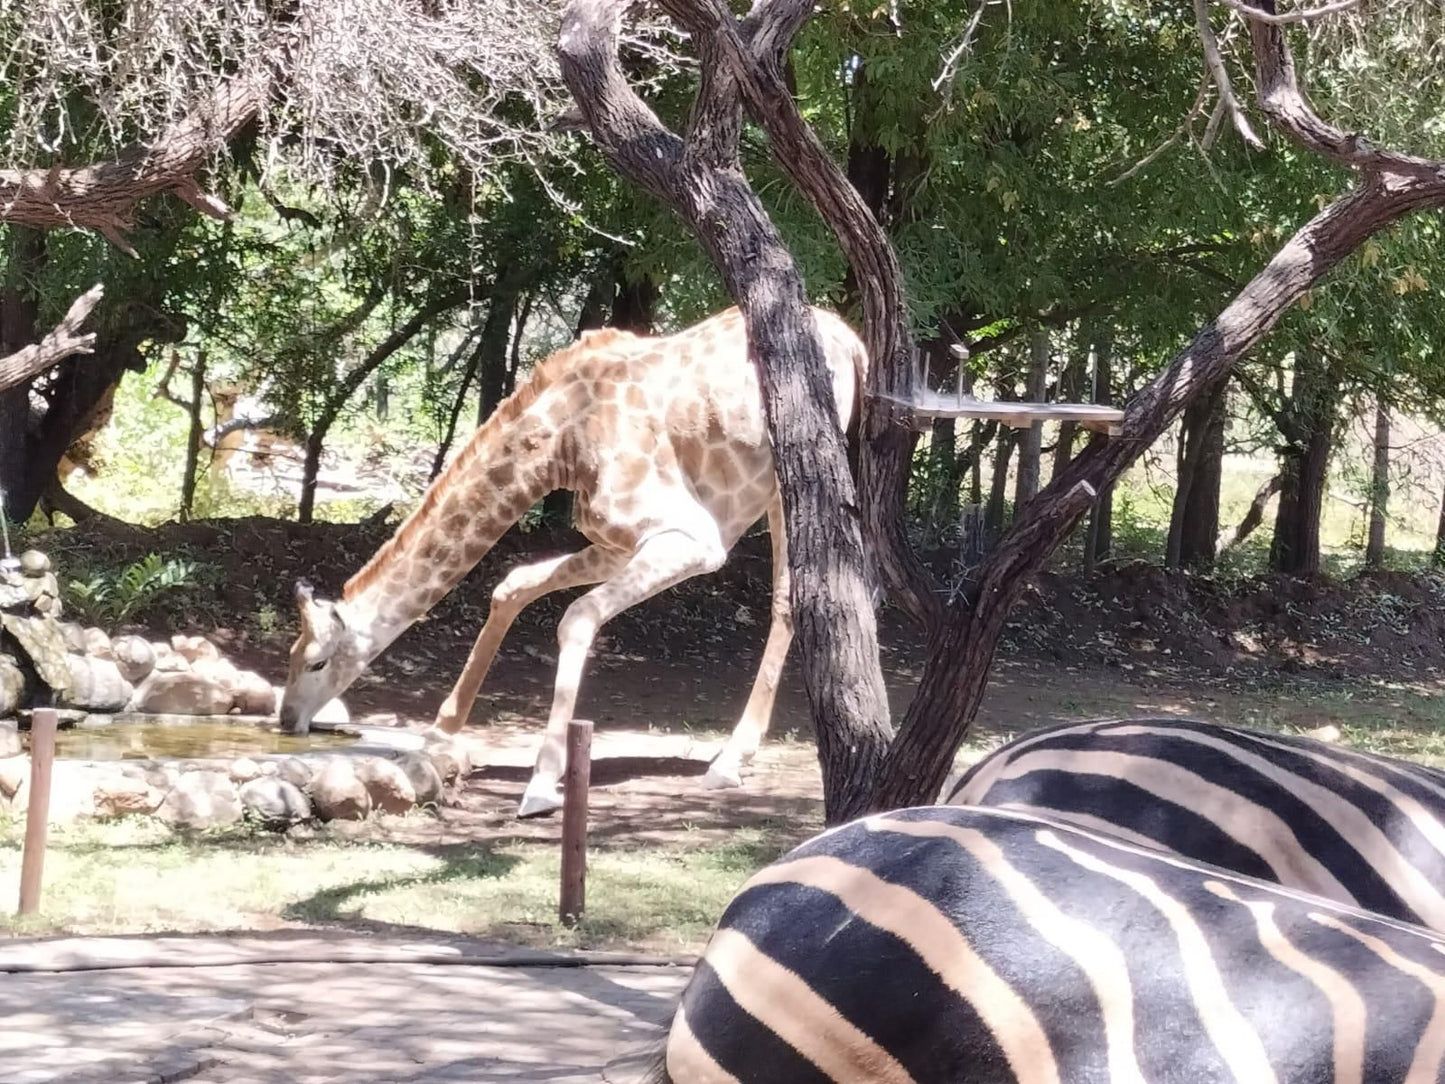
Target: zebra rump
948 945
1365 830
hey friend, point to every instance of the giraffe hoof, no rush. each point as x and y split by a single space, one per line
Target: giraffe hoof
539 800
721 777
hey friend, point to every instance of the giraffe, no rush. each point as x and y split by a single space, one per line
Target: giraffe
664 443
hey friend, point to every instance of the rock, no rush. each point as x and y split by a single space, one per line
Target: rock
134 658
201 800
169 693
162 776
333 712
96 685
295 771
217 671
117 796
12 685
11 744
268 767
254 694
390 789
244 769
275 801
97 644
34 563
14 771
194 648
74 636
167 660
1327 733
426 781
72 793
337 794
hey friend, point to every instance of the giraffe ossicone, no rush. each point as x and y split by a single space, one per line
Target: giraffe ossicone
664 442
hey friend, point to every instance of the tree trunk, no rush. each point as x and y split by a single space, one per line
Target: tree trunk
1099 538
1253 515
634 305
19 307
1070 387
1308 421
1439 556
1194 521
1031 440
193 437
491 354
1379 487
993 516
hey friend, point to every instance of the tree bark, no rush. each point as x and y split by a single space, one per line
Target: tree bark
1379 487
19 307
702 180
1439 555
103 196
1307 423
1031 440
351 384
1253 515
1194 521
64 341
993 516
1099 538
634 305
193 437
491 354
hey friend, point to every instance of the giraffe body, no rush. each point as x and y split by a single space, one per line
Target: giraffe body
665 444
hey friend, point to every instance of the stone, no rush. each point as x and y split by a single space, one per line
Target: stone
97 644
74 636
96 685
167 660
390 789
201 800
268 767
14 771
162 776
336 793
72 793
170 693
332 713
194 648
11 744
220 672
295 771
275 801
1327 733
12 685
134 658
254 694
34 563
426 781
120 795
244 769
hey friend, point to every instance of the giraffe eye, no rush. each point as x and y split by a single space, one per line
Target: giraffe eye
316 667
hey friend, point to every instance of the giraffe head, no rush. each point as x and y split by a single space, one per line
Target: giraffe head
325 659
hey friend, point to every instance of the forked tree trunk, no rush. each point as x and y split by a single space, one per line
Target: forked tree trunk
1194 522
1379 487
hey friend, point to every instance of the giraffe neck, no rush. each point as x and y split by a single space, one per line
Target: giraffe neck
505 468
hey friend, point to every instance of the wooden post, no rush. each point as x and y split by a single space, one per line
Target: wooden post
43 722
574 820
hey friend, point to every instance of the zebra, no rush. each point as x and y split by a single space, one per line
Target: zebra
1365 830
962 945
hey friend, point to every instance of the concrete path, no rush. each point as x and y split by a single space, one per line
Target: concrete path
323 1016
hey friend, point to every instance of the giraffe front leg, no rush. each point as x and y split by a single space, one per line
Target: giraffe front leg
519 589
726 768
661 561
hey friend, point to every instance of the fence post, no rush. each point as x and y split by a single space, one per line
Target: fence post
43 722
574 820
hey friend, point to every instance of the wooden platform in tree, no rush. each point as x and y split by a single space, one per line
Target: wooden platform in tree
1101 419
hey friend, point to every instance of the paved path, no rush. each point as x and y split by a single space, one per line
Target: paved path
380 1022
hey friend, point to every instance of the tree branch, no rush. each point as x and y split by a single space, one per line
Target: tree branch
1304 15
103 195
63 342
1215 62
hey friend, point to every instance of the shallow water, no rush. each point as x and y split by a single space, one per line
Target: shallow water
202 738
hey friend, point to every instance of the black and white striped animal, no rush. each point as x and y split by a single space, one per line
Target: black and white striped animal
1365 830
955 945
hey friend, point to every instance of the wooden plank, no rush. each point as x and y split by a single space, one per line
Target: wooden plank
1104 419
43 723
575 784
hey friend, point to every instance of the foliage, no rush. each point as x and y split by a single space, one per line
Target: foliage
115 596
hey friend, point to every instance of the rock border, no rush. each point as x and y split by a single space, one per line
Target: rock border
386 770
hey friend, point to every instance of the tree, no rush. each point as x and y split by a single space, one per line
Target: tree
744 58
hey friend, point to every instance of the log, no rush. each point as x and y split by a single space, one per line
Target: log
575 784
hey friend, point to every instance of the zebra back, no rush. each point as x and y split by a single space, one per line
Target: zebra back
950 945
1365 830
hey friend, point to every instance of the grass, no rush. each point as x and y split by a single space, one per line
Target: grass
136 876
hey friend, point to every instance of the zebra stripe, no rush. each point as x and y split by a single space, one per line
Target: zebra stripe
959 945
1364 830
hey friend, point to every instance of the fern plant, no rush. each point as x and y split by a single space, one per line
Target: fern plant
114 596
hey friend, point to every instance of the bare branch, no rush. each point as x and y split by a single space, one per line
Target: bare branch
950 63
1215 61
218 433
1304 15
1194 111
63 342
